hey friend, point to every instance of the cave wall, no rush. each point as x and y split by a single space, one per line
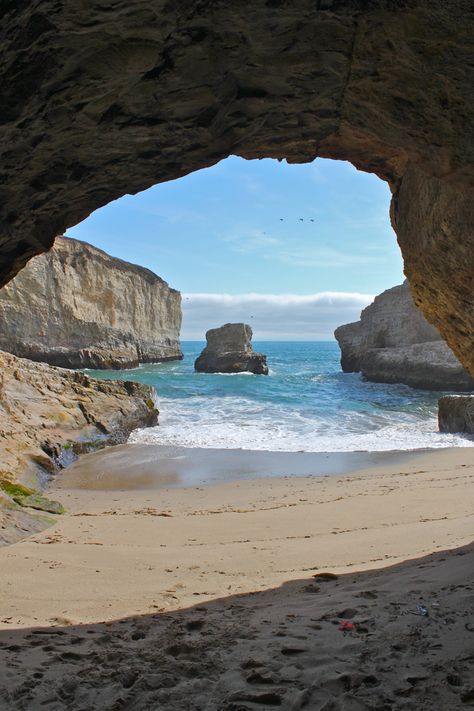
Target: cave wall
101 98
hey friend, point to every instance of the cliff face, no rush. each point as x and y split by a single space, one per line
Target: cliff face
391 321
78 307
393 343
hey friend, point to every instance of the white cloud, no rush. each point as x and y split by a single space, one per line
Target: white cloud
273 316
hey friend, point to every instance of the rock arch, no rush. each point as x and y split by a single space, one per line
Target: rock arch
104 98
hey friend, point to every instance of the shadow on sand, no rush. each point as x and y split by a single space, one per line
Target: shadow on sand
411 646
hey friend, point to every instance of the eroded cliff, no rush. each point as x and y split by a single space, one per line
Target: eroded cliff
78 307
393 343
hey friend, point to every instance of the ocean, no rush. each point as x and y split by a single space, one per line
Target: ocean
306 404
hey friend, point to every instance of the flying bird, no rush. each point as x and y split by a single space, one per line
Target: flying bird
301 219
311 219
281 219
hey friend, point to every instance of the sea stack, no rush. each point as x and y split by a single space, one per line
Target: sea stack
77 307
229 350
393 343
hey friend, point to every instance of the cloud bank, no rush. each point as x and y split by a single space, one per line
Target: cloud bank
273 316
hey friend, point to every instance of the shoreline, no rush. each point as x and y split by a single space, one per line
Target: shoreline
147 466
117 553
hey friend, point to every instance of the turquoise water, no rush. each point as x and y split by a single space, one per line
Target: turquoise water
305 404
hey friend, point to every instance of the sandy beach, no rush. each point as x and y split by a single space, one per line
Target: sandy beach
186 568
127 552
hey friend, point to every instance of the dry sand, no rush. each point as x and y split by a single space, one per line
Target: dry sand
177 566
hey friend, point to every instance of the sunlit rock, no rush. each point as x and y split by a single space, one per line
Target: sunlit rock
229 350
48 414
78 307
393 343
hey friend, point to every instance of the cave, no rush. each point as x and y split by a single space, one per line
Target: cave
103 99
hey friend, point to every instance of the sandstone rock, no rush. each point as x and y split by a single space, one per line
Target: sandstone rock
391 321
28 498
44 409
428 366
456 413
17 522
102 99
229 350
393 343
78 307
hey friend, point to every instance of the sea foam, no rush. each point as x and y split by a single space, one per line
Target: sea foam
306 404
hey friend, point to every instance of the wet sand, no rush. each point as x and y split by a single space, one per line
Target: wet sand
142 466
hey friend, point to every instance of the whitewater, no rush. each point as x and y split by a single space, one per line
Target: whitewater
306 404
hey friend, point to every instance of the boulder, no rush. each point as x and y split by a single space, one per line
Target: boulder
393 343
456 413
229 350
78 307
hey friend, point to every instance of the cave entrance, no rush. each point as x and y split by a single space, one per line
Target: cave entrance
295 250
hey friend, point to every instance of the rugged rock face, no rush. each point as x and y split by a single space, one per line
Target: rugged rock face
391 321
393 343
48 413
456 413
78 307
428 366
229 350
100 99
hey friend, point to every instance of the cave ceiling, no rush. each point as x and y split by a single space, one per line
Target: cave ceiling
100 99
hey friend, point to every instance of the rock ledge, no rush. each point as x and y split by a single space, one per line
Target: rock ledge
48 415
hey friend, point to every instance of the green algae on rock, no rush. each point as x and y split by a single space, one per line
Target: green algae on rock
28 498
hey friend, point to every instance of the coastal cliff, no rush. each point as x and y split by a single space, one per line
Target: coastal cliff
78 307
393 343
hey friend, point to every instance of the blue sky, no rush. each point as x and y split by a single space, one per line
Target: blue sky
312 239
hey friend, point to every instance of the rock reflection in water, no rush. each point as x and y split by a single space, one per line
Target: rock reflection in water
141 466
122 467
